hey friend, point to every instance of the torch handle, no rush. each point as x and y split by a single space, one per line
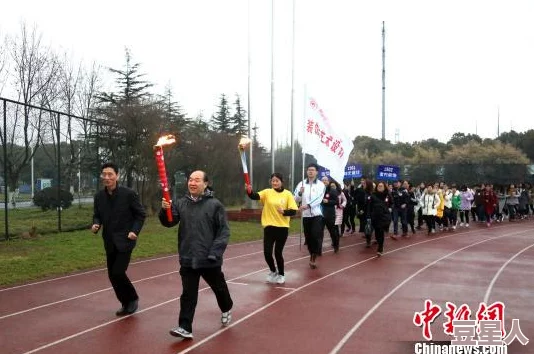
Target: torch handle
244 164
247 178
167 197
160 162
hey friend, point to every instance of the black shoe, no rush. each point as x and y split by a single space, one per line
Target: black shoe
122 311
132 307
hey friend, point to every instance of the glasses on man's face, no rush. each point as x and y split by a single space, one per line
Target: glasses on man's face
196 180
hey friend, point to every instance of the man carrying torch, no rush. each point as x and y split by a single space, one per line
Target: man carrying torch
203 235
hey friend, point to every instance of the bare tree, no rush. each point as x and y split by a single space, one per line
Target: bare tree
86 101
34 70
3 62
70 76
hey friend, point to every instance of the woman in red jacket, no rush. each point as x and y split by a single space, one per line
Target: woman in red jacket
489 201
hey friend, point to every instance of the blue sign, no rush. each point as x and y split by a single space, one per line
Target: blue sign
353 170
323 172
388 173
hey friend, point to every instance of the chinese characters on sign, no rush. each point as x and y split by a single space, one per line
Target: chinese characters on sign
388 173
353 171
485 329
334 144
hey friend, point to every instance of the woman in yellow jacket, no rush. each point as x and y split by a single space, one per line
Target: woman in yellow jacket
278 206
441 220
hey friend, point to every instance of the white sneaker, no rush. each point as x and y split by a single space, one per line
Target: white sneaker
180 332
454 227
466 225
280 279
271 277
226 318
461 224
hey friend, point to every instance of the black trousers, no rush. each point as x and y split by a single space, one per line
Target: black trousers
333 230
313 232
362 218
117 263
274 237
190 282
349 214
379 236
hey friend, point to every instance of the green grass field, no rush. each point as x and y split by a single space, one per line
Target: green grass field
53 254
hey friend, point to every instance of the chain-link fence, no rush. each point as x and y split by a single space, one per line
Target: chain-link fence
48 164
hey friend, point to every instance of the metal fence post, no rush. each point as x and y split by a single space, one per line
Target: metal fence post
58 171
6 201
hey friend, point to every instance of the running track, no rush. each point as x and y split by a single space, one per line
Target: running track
353 303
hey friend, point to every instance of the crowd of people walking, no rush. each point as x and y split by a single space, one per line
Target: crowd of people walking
203 230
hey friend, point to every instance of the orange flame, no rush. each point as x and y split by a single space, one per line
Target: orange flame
244 143
165 140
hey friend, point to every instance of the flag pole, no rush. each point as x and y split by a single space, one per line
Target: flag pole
292 165
272 87
251 169
303 157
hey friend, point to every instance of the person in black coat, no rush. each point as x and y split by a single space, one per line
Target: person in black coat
119 212
360 202
379 205
203 235
330 200
349 212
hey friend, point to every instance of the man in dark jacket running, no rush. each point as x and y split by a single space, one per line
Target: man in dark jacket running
118 210
203 235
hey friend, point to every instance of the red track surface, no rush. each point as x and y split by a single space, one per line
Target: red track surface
353 303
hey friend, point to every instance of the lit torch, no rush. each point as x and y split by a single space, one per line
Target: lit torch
160 162
243 144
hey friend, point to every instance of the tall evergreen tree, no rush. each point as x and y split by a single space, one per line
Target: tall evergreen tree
222 121
174 120
239 119
132 120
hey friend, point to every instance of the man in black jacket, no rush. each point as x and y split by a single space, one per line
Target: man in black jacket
118 210
203 235
401 202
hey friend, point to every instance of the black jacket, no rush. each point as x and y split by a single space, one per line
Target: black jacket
378 205
118 213
203 232
329 208
400 197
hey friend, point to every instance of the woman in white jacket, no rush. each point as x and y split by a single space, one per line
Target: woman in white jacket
429 203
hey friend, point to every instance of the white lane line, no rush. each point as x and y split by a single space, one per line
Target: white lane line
236 283
133 263
64 339
78 297
197 344
133 282
82 273
492 283
243 276
347 336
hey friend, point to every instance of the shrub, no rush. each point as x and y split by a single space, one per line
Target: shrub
47 198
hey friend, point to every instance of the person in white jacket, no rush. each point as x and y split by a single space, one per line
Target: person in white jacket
310 193
429 205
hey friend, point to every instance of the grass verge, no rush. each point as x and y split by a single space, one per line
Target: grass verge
54 254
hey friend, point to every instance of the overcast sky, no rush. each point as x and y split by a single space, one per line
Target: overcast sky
450 66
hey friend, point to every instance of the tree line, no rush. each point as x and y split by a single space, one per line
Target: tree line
123 123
